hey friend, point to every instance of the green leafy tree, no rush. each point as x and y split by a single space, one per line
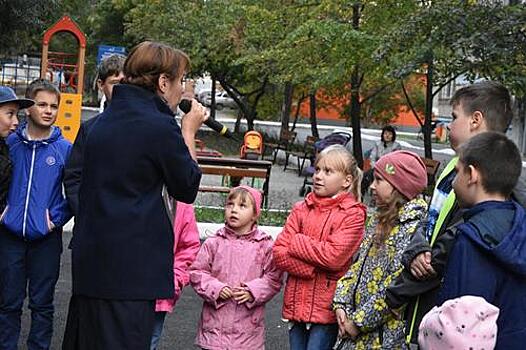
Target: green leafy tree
214 34
22 24
333 49
449 38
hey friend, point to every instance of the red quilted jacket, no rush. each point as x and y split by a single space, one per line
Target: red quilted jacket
316 247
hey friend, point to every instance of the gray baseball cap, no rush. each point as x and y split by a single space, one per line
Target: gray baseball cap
7 95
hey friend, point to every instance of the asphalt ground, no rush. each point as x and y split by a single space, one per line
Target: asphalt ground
180 327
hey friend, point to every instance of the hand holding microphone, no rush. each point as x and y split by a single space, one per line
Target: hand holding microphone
187 107
193 118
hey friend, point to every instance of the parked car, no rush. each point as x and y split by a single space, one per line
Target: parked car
203 94
222 100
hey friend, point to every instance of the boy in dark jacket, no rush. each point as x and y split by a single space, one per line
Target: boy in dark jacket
488 256
109 74
477 108
36 211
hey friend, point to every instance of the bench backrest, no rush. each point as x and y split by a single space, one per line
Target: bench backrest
287 138
432 167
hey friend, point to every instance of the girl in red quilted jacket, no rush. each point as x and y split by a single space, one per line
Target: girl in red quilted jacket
320 237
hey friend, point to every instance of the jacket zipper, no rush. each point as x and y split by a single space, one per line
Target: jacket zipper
26 206
360 274
316 276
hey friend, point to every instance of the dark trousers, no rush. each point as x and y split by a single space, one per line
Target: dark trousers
104 324
30 267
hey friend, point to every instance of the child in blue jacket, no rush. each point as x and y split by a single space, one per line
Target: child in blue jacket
31 230
488 254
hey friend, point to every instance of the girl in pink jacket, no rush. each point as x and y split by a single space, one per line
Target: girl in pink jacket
235 275
186 246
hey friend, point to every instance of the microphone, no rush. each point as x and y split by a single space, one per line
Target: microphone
186 106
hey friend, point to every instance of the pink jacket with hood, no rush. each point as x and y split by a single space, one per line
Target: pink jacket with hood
186 246
231 260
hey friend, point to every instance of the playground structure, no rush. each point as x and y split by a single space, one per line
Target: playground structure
252 147
67 71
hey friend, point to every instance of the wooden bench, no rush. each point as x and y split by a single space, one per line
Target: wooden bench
432 167
308 152
202 150
286 139
238 168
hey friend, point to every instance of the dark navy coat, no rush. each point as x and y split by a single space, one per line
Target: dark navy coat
123 237
489 260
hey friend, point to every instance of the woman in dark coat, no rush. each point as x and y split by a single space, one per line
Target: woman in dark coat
122 259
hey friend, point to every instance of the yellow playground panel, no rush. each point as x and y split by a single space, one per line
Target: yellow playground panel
69 112
69 68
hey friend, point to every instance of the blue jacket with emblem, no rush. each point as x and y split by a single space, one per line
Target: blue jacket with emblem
488 259
36 203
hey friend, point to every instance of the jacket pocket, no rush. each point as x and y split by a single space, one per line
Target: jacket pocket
12 219
50 224
257 319
37 225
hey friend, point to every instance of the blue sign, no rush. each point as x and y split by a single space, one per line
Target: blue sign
107 50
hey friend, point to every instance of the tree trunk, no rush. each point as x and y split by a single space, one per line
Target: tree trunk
237 125
355 111
251 116
312 115
247 109
429 110
286 106
520 104
213 97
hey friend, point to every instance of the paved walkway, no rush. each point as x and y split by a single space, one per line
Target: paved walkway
180 327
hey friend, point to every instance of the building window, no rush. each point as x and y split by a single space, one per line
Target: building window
447 91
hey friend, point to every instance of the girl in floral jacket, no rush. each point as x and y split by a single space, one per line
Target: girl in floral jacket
364 320
316 246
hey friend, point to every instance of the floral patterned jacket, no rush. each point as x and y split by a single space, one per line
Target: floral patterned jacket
361 292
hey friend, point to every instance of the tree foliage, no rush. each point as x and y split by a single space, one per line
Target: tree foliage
445 39
366 51
22 24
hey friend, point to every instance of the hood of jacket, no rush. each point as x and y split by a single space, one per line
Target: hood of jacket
254 235
415 209
499 229
344 200
21 133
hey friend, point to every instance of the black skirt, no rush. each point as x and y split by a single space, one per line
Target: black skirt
100 324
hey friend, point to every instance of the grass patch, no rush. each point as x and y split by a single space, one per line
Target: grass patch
216 215
229 147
